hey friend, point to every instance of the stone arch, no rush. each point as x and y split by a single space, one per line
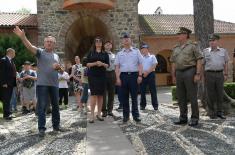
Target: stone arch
162 64
78 23
165 54
164 67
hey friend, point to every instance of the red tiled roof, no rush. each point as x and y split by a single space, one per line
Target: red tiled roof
12 19
169 24
149 24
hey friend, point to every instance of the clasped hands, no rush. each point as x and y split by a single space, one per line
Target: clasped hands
99 63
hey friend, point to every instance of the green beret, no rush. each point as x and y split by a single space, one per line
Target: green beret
213 37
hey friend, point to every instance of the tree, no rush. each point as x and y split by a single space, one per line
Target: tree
203 21
204 25
22 54
24 11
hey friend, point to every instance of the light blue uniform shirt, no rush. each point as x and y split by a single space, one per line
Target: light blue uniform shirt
148 61
129 59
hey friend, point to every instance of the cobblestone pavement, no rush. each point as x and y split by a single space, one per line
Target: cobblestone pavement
156 134
20 136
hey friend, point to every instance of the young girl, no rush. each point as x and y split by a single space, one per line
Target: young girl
85 85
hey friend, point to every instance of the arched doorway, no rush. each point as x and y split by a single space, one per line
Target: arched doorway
163 68
80 36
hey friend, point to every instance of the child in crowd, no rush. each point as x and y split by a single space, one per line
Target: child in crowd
63 87
84 78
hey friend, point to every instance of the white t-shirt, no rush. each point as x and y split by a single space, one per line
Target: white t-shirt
63 80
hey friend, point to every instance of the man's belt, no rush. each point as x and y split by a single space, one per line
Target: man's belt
182 70
110 71
214 71
129 73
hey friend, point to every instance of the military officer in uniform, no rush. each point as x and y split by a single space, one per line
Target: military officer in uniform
186 70
216 72
149 65
129 69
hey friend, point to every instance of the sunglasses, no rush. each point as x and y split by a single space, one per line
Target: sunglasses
98 41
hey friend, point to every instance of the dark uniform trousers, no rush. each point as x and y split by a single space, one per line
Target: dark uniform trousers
129 85
150 82
215 86
109 91
187 90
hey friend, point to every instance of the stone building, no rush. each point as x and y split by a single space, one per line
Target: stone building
26 21
76 23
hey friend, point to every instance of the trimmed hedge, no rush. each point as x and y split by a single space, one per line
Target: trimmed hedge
228 87
1 108
173 93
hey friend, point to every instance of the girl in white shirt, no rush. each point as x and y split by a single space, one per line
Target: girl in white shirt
63 87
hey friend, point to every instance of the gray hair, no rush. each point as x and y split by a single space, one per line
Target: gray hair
53 38
10 50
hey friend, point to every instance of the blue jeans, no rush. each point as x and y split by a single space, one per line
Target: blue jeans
13 101
43 94
150 82
129 86
85 93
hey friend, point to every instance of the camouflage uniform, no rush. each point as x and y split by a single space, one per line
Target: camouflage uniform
185 59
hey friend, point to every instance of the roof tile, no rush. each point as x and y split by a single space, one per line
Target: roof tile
12 19
156 24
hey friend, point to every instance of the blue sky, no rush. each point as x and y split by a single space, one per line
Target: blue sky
222 8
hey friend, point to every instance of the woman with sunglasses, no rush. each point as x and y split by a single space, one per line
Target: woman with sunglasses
97 62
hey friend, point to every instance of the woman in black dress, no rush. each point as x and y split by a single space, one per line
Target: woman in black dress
97 62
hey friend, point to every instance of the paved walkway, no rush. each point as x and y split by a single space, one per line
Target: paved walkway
106 138
156 134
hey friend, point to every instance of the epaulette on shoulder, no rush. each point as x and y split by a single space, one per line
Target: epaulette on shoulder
205 49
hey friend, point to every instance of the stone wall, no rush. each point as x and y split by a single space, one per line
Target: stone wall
53 20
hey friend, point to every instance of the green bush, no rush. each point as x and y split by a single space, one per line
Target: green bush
22 54
228 87
1 108
173 92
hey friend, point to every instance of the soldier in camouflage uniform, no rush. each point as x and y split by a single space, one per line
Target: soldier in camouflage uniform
186 71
